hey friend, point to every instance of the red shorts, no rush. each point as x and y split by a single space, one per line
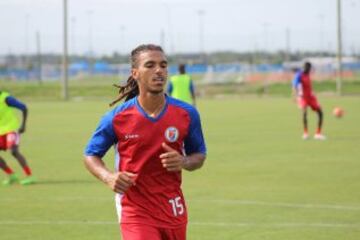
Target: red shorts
309 101
135 231
9 140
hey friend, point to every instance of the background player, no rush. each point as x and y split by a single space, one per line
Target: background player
302 90
149 133
181 86
10 131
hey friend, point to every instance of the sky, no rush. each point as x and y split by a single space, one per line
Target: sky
180 26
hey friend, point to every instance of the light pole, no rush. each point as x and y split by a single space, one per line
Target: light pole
26 59
321 31
73 46
288 49
90 50
170 35
90 13
27 19
65 94
266 25
339 50
39 60
201 30
122 39
162 37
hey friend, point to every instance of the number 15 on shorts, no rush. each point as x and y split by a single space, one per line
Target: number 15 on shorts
177 206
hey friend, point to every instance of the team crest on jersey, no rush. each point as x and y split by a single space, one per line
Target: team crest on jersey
172 134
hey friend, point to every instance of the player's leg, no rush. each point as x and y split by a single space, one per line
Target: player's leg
22 161
305 123
11 177
320 120
174 233
318 135
4 166
302 104
314 104
134 231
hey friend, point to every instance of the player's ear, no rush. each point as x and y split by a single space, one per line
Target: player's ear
134 73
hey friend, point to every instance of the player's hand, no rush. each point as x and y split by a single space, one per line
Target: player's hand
172 160
21 129
120 182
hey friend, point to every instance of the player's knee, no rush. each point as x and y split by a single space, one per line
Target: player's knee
14 151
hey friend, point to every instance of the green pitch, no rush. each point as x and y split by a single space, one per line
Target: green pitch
260 180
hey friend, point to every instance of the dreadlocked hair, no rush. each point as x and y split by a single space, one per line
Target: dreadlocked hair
131 88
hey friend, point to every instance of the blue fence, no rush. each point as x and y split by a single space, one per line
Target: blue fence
103 68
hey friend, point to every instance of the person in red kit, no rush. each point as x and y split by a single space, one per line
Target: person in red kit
302 90
155 137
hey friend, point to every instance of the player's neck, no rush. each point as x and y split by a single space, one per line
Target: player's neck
152 104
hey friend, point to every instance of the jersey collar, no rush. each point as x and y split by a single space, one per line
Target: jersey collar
142 111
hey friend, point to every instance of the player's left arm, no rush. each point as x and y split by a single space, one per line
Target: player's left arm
13 102
173 161
193 161
195 149
169 88
192 91
295 85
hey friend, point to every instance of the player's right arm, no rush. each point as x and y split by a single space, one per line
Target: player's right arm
13 102
103 138
192 91
119 182
169 89
295 85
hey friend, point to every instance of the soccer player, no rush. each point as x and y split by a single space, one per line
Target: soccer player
154 137
302 89
10 131
181 86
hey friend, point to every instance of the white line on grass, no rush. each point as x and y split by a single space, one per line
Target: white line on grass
57 222
281 204
219 201
278 225
214 224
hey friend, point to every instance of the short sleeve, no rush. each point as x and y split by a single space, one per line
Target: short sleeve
13 102
194 142
192 87
297 79
103 137
169 88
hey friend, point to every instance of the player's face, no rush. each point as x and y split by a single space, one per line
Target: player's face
151 72
307 68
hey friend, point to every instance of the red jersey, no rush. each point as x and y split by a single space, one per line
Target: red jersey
303 84
156 199
306 85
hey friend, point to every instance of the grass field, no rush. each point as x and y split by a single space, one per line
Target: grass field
260 181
